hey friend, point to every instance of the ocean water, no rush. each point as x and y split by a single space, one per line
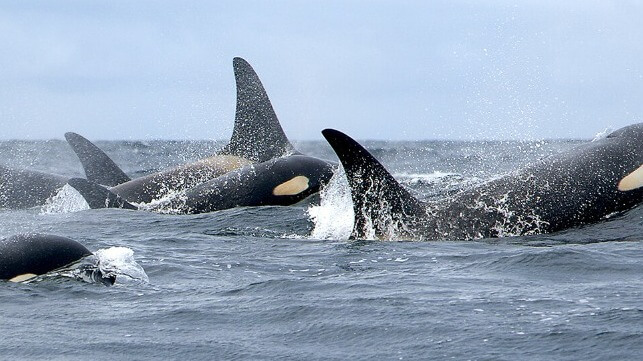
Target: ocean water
286 283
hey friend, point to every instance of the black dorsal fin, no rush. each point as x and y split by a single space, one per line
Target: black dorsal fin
257 134
99 168
98 196
379 201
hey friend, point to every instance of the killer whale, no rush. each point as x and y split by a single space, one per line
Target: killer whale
25 256
24 188
153 186
257 137
280 181
584 185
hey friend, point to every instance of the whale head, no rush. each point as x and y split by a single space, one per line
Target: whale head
630 144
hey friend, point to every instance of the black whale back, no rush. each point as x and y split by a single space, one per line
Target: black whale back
37 254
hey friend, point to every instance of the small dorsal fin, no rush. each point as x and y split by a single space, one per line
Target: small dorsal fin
379 201
98 196
99 168
257 134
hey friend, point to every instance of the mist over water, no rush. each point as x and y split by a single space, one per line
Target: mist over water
286 282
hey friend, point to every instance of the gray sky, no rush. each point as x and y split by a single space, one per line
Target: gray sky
374 69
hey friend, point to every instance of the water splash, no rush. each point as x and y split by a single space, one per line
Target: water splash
419 178
510 223
87 270
334 216
107 266
504 219
172 202
67 200
385 226
119 262
602 135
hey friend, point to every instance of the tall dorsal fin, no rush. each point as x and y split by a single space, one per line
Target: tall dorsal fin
99 168
379 201
98 196
257 134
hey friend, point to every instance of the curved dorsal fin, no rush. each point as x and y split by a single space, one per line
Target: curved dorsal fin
99 168
257 134
379 201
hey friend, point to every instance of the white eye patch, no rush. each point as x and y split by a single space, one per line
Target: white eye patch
632 181
294 186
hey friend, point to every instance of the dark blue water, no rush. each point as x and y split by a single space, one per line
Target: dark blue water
269 283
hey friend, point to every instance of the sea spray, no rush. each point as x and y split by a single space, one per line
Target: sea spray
172 202
602 135
119 262
333 217
67 200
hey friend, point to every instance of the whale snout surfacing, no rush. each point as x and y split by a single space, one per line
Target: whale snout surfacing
632 181
26 256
